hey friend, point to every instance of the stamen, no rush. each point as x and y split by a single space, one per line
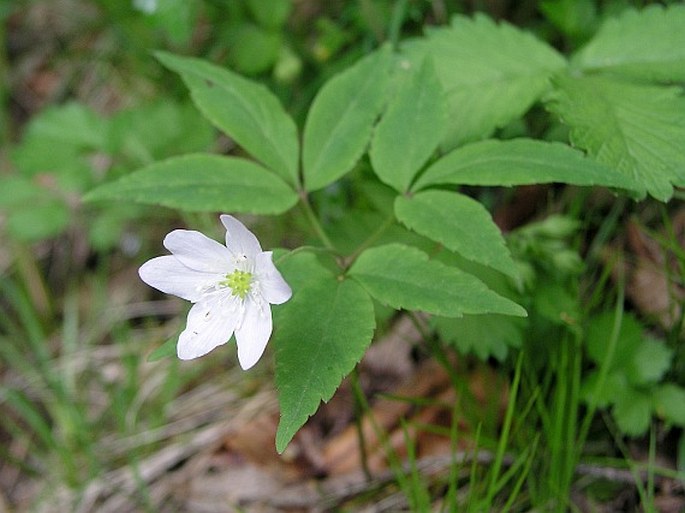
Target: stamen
240 283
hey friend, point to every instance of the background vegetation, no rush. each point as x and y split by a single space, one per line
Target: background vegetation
579 407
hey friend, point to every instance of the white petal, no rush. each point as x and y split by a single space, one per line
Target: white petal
253 333
239 240
198 251
271 283
168 274
208 326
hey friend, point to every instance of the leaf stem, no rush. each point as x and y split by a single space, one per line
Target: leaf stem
436 349
302 249
369 240
611 347
314 221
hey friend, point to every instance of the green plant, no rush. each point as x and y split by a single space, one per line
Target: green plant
400 105
633 381
66 150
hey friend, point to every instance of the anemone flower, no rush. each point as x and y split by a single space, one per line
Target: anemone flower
231 288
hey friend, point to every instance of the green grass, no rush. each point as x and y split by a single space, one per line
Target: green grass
80 398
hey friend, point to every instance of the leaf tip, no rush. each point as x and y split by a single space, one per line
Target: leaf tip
164 351
284 435
94 195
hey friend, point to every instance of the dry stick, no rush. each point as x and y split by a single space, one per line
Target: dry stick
118 487
343 488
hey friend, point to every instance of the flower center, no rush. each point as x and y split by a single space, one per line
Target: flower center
239 282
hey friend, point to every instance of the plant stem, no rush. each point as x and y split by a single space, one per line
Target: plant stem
612 344
303 249
370 240
399 12
314 221
436 349
499 459
33 280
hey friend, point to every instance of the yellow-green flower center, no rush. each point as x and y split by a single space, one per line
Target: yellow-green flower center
239 282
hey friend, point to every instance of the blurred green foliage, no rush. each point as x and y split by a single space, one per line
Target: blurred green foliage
68 149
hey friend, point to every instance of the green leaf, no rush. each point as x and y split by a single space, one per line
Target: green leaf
38 221
56 144
354 227
323 332
17 191
166 350
628 339
575 18
403 277
31 212
647 44
492 73
272 14
669 403
38 155
177 18
72 124
614 386
638 130
411 129
158 130
633 411
651 360
245 110
202 182
252 49
300 269
458 222
520 162
487 335
555 302
105 231
341 119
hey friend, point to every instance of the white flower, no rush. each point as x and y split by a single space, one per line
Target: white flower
231 287
146 6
